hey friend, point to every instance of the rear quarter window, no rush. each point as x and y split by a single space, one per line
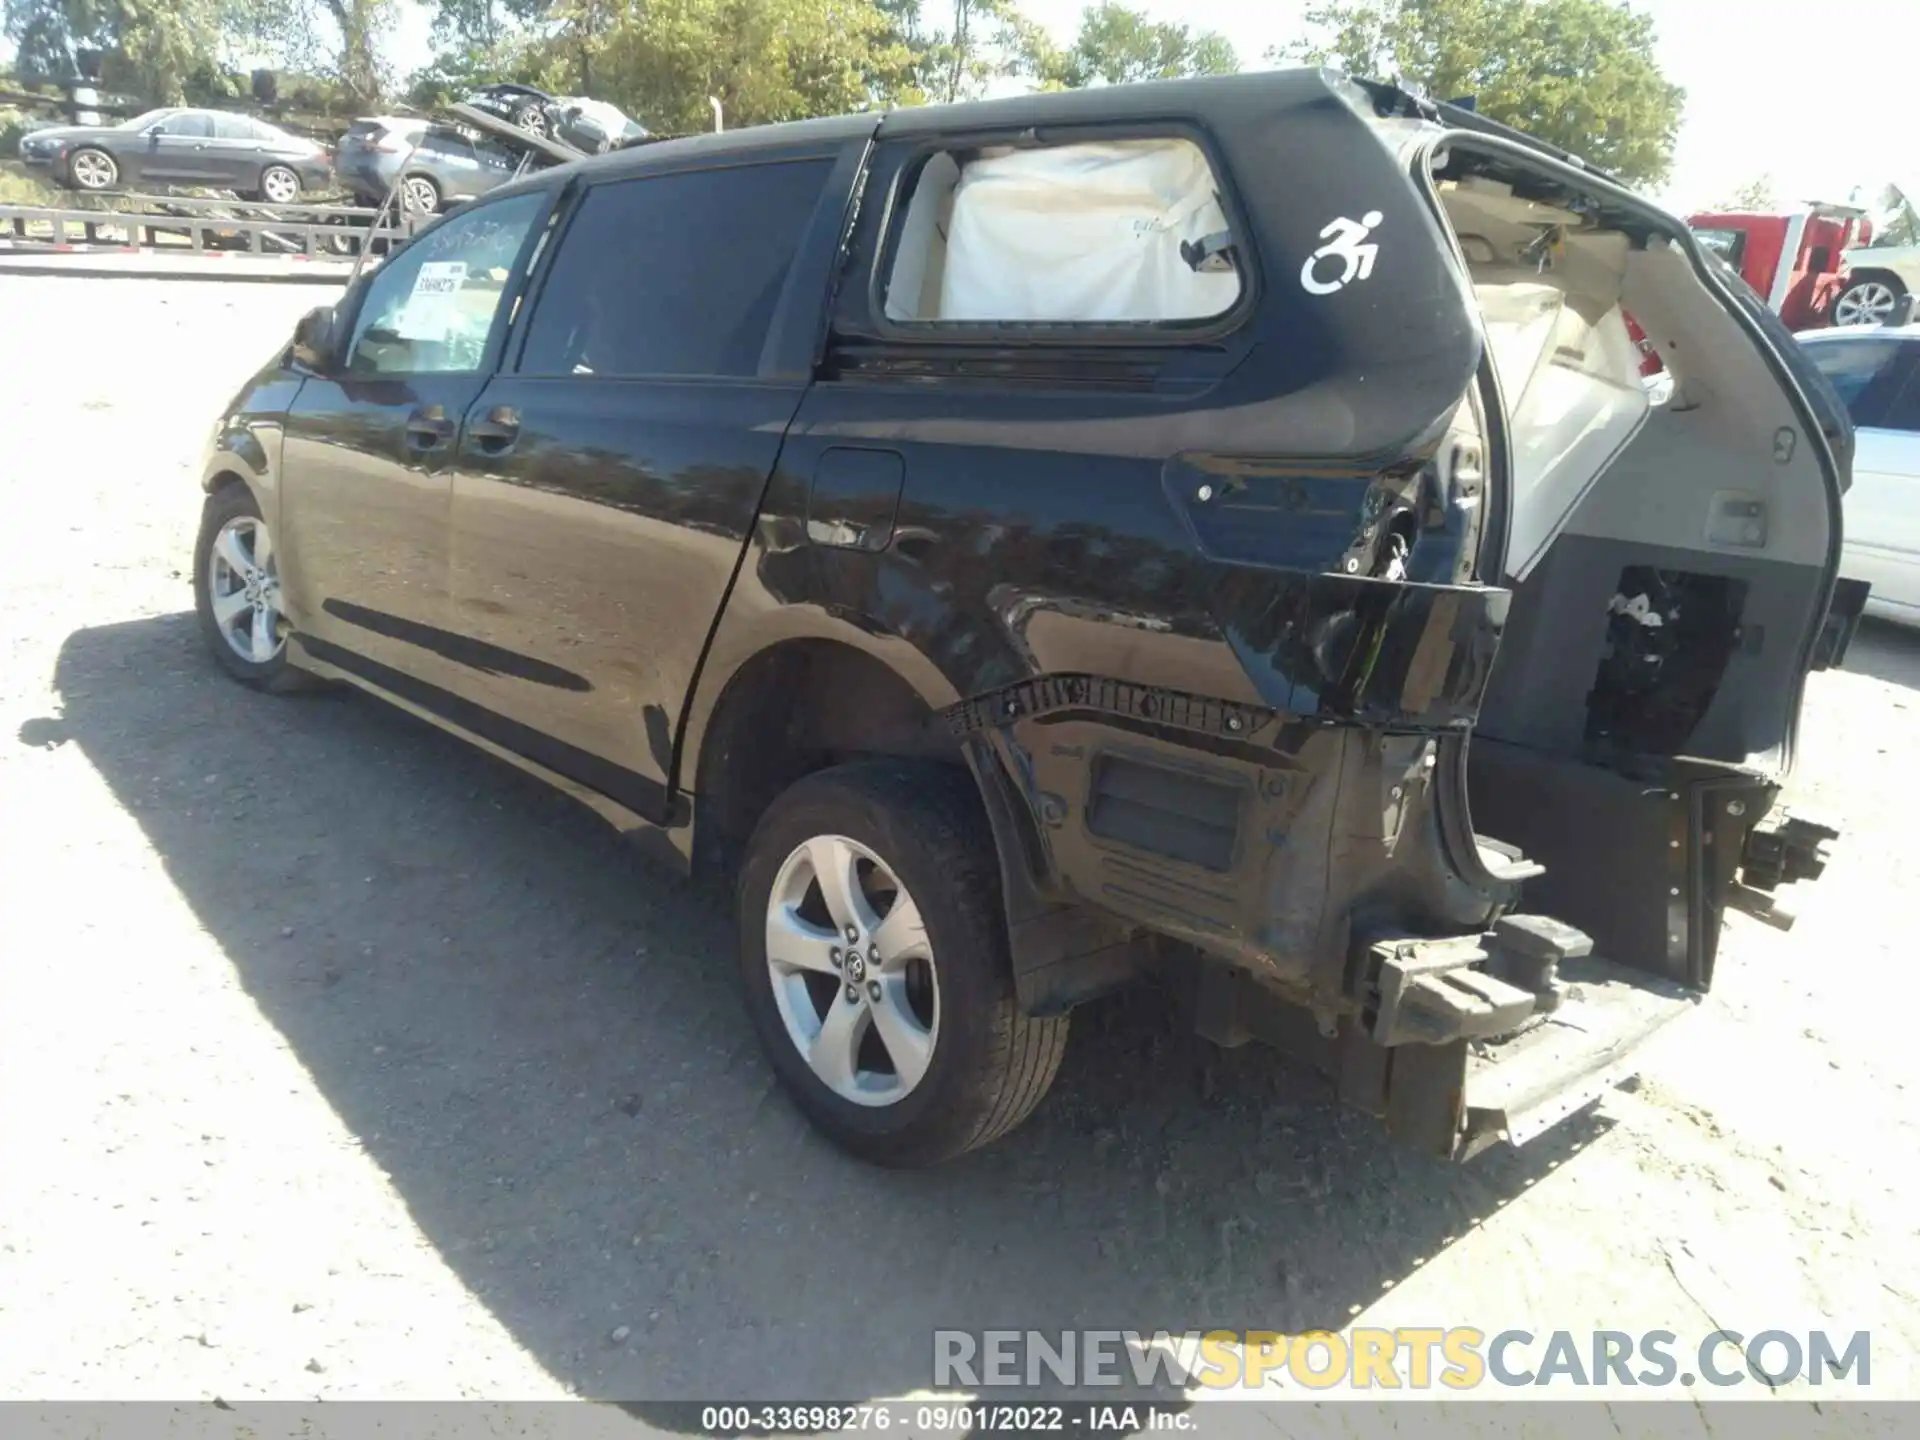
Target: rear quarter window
1109 232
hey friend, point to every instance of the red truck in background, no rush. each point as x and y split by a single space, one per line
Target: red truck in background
1801 292
1809 240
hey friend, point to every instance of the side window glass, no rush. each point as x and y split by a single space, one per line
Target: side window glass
1863 374
1117 232
430 308
234 127
673 274
190 125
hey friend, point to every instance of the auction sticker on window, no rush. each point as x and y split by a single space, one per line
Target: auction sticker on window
433 306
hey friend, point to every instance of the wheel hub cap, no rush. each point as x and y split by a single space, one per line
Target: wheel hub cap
243 589
865 1017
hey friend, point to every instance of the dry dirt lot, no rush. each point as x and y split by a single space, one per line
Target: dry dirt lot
339 1060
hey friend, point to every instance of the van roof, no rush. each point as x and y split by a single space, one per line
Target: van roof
1157 99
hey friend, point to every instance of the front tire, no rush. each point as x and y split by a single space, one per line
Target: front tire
236 594
93 170
1868 300
903 1044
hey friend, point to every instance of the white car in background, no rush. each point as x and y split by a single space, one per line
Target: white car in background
1876 369
1877 276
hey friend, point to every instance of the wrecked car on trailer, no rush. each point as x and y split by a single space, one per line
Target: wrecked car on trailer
1216 527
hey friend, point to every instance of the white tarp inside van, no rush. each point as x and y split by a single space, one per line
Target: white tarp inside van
1084 233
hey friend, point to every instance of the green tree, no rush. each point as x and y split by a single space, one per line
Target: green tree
765 60
486 25
150 48
361 25
953 49
1580 74
339 40
458 71
1117 45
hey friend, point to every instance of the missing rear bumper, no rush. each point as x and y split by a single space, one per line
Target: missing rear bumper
1465 1042
1458 1099
1518 1087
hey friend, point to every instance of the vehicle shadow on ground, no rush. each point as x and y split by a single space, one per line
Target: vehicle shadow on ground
539 1040
1886 652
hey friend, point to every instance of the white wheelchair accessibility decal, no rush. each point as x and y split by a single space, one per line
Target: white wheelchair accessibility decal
1346 242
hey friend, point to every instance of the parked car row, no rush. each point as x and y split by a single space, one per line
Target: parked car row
435 165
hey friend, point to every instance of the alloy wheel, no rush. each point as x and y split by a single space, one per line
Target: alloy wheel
1867 303
419 196
852 971
243 584
280 185
93 171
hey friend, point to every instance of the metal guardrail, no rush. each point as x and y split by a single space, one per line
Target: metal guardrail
206 224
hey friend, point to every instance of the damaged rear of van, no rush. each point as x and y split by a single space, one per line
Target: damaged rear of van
1348 625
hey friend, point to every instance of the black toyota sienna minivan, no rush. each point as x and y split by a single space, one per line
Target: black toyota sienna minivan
1214 528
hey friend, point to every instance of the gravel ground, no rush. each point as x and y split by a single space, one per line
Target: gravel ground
338 1060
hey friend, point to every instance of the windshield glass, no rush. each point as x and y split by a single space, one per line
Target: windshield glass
140 122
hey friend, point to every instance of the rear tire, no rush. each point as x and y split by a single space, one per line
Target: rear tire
984 1065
